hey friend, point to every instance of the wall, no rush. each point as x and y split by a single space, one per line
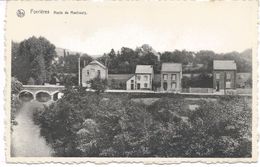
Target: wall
222 78
128 83
142 81
93 74
169 81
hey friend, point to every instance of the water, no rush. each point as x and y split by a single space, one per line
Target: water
26 139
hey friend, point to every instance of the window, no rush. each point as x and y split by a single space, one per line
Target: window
217 76
132 81
138 77
165 76
146 78
145 85
228 84
173 85
87 72
173 77
228 76
138 86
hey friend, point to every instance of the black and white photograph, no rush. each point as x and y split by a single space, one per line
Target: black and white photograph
131 79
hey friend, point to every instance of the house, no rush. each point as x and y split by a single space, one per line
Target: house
142 79
92 70
224 75
171 76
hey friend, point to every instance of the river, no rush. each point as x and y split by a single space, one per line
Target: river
26 139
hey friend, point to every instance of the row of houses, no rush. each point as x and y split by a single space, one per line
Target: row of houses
224 76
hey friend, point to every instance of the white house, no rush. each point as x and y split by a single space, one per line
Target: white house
142 79
171 76
92 70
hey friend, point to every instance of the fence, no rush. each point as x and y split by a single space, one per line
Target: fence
244 91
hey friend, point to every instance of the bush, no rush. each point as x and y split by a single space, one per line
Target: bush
98 84
16 87
112 125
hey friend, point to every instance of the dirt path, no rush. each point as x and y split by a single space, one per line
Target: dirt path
26 139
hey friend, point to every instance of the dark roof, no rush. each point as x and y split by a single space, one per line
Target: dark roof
224 65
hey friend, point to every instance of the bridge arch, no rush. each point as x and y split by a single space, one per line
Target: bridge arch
55 95
26 95
43 96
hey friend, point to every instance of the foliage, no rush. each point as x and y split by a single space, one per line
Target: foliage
98 84
117 84
69 63
33 58
177 56
156 85
224 125
125 61
69 80
202 81
16 87
15 106
111 125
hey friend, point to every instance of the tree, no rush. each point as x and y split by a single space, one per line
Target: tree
85 59
16 86
90 125
177 56
203 80
98 84
71 63
14 54
33 59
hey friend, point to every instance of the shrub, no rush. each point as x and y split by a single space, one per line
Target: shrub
87 124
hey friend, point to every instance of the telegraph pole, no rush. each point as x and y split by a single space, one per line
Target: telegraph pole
224 83
79 70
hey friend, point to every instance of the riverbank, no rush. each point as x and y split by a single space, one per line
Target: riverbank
26 138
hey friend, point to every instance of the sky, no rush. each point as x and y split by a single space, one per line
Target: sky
166 26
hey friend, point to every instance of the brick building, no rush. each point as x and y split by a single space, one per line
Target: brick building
224 75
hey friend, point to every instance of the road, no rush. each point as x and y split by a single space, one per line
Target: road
26 138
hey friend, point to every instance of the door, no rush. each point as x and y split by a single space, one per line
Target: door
165 86
173 85
132 86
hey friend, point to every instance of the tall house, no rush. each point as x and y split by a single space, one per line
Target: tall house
92 70
171 75
142 79
224 74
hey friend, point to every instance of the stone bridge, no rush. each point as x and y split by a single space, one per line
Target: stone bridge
41 93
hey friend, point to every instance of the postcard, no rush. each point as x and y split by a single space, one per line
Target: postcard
155 82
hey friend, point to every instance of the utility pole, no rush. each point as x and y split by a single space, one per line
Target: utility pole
224 83
79 70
